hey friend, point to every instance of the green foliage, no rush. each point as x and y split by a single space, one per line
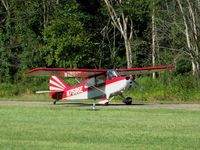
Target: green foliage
66 42
140 51
7 90
183 66
166 88
4 63
176 88
28 86
65 48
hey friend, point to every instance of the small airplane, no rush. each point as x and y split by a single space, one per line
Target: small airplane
100 84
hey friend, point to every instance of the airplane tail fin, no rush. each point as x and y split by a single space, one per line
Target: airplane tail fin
57 87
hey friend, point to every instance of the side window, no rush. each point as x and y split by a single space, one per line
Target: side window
111 74
100 79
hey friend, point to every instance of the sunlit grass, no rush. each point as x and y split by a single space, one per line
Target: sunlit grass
56 127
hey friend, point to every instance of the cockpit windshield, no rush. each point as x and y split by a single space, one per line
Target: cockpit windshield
112 74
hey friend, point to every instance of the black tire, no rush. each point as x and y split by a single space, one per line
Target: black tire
127 101
54 102
106 104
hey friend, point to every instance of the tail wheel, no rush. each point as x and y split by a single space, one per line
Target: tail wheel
54 102
127 101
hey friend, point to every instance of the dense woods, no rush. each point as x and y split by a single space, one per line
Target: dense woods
98 34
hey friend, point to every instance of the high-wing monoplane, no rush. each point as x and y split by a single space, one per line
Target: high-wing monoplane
100 84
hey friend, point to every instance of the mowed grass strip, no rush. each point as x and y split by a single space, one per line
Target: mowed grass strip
55 127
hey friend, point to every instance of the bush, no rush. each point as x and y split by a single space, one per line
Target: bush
178 88
7 89
164 88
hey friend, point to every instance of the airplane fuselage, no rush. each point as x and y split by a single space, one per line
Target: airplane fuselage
109 88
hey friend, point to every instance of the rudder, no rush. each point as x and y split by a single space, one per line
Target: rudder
57 87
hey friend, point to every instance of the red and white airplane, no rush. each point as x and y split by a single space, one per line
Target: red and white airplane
98 84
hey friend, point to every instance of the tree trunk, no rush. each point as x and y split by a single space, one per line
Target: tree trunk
191 37
153 41
194 39
120 21
6 6
127 44
155 45
45 12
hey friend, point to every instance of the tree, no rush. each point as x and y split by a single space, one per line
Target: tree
122 22
7 41
153 39
178 31
191 33
66 42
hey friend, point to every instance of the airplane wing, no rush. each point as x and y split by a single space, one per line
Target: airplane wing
85 73
135 71
67 72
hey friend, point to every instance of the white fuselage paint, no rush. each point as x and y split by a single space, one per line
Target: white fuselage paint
105 91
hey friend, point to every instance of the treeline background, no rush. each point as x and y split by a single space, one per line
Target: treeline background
98 34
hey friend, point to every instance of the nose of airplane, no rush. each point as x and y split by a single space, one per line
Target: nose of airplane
129 82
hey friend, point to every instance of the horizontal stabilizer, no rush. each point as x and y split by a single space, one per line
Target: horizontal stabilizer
40 92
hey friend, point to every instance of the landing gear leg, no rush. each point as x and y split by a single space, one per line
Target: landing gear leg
94 105
54 102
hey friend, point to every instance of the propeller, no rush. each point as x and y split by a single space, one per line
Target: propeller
133 78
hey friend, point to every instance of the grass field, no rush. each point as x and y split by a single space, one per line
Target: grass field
60 127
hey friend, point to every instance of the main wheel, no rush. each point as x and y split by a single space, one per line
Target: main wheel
106 104
127 101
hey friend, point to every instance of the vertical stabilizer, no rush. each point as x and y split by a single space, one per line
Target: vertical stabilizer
57 87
